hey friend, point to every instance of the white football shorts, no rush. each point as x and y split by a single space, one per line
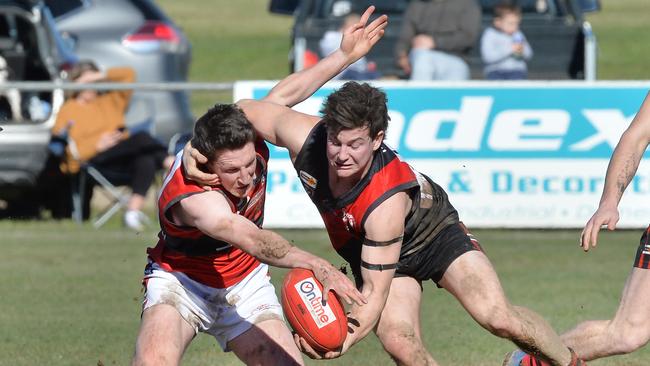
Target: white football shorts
225 313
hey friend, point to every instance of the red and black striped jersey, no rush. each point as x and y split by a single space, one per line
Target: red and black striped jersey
188 250
345 216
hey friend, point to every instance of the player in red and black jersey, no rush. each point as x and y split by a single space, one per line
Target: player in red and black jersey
430 214
208 273
394 225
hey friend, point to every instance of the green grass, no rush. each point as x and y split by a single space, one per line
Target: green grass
71 294
622 32
231 40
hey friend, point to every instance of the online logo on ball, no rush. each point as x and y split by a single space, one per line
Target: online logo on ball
312 297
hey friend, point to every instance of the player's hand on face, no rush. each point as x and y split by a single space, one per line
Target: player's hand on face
191 158
605 215
332 279
359 38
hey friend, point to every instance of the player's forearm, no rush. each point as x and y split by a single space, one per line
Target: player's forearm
273 249
265 245
622 168
301 85
627 155
363 319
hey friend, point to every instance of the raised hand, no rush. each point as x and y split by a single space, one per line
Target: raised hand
90 76
359 38
605 215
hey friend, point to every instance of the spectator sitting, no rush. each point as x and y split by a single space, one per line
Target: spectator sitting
435 36
360 70
95 123
504 48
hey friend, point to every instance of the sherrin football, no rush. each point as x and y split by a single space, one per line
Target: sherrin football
324 327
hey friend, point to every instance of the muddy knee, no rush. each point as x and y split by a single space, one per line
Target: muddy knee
404 346
498 321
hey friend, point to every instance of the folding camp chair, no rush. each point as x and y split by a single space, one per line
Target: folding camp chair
118 197
83 182
108 181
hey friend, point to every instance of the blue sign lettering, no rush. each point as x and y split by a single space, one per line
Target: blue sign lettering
515 122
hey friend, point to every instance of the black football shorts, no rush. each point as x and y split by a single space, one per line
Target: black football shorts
432 261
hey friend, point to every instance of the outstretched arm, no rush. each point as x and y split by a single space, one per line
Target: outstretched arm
211 213
357 41
379 255
273 119
622 168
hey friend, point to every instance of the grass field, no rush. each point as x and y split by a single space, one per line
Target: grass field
71 294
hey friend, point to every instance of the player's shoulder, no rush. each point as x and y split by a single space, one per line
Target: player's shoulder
202 201
395 208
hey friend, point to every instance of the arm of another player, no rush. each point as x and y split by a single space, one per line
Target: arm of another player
357 41
379 255
211 213
275 121
279 125
620 171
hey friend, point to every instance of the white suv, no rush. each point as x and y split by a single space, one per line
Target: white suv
31 50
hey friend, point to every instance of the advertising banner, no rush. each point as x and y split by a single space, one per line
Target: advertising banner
510 155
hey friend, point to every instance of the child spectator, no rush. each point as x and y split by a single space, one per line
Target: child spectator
504 48
360 70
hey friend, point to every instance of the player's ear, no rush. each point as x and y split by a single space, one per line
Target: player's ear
376 142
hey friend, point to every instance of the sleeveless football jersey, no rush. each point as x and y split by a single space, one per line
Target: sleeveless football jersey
188 250
345 216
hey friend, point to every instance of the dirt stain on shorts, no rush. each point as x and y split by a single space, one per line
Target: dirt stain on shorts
267 316
171 298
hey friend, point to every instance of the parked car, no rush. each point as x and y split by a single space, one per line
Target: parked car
139 34
556 30
40 40
31 50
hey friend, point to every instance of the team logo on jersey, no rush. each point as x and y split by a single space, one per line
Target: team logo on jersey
308 179
348 220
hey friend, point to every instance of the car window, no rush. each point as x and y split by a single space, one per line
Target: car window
339 8
62 7
7 27
382 6
526 6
